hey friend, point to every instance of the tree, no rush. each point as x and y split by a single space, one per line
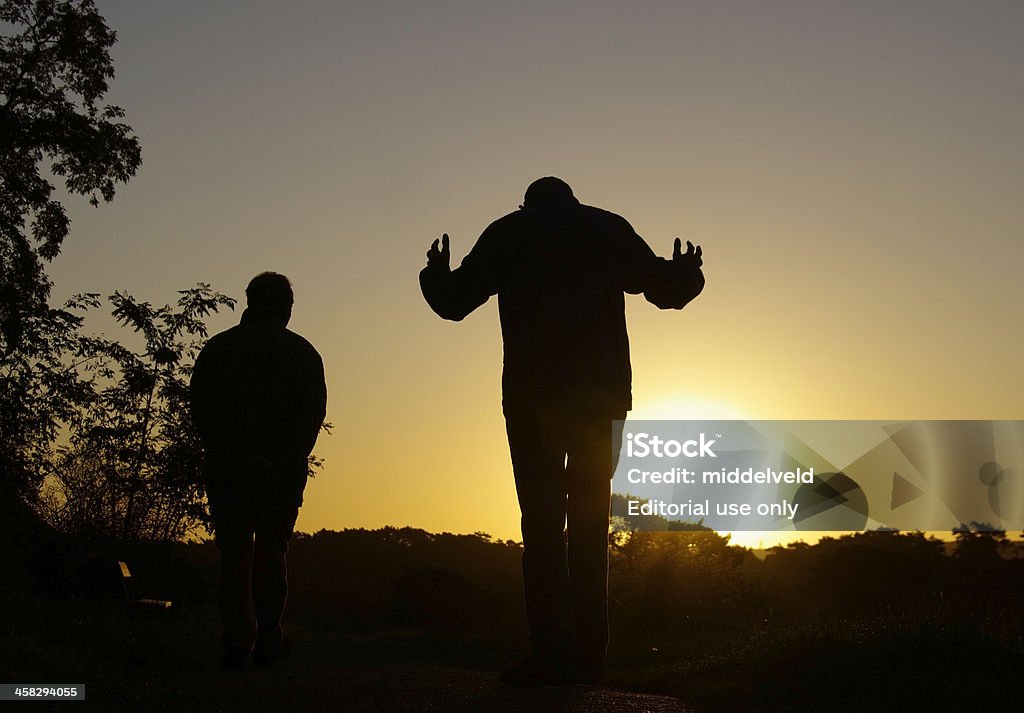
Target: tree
979 542
54 68
131 467
41 389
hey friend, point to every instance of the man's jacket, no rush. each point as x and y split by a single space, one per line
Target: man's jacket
560 271
258 401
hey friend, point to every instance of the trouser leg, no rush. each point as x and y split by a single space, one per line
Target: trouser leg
270 572
593 452
234 537
538 462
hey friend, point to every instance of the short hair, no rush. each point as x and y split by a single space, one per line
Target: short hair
546 190
269 289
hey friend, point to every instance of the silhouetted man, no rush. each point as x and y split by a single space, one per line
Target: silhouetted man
258 400
560 269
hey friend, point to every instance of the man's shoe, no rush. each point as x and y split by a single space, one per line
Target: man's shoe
534 673
265 655
236 659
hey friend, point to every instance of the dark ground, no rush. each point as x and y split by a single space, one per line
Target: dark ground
150 663
333 673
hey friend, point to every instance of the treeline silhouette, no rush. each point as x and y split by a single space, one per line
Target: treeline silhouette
874 616
695 616
668 589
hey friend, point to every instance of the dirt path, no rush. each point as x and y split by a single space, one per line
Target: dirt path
341 674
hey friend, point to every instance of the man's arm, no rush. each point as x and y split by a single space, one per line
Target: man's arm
307 394
667 284
674 284
316 401
453 294
217 423
205 399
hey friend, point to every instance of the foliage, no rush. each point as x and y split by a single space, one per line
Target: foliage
696 582
54 71
41 390
405 577
623 522
131 467
980 542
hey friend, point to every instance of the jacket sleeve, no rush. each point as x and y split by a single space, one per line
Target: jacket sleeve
206 400
453 294
308 392
667 284
315 402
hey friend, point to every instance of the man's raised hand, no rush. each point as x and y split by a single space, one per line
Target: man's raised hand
436 257
693 255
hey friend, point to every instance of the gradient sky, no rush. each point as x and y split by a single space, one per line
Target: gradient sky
853 171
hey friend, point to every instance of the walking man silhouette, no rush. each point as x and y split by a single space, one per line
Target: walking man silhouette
560 269
258 401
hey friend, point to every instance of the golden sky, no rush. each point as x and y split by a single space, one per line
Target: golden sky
852 171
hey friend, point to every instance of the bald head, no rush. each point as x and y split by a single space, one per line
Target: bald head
547 190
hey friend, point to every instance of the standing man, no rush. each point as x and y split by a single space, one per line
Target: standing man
258 401
559 270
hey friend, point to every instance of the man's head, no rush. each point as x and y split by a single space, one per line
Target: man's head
269 298
547 190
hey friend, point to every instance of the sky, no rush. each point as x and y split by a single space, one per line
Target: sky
852 171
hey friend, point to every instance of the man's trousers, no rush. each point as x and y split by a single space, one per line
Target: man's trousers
563 464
